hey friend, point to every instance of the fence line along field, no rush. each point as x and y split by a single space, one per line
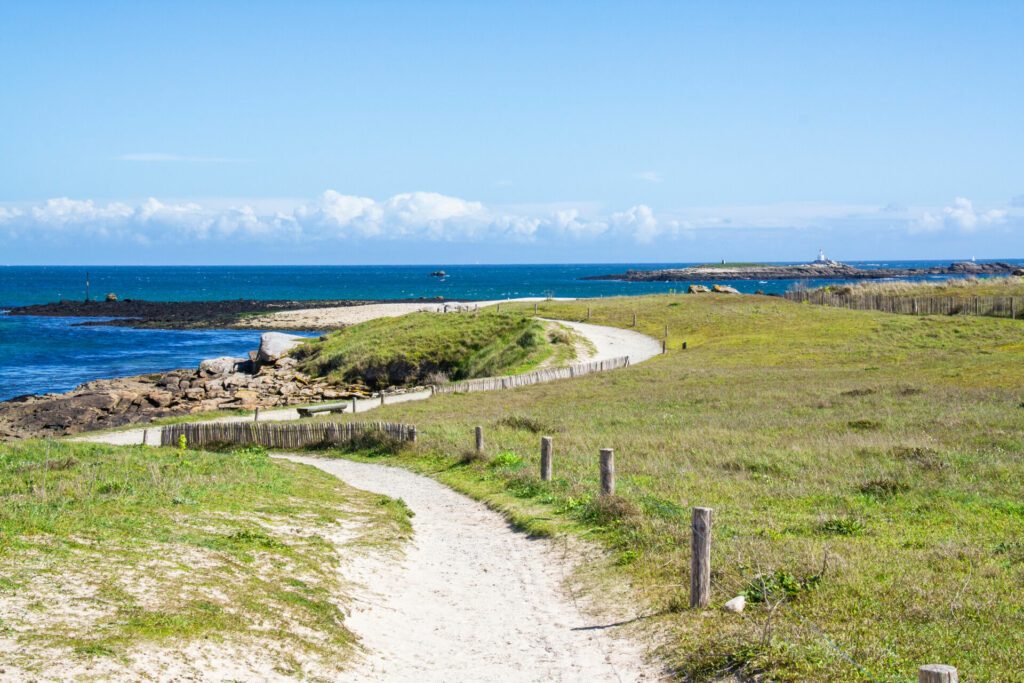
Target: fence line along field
271 435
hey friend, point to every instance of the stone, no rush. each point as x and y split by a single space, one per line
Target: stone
246 396
698 289
216 367
160 399
275 345
735 605
110 297
725 289
195 394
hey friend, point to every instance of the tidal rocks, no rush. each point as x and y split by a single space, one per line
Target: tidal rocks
724 289
698 289
224 365
809 271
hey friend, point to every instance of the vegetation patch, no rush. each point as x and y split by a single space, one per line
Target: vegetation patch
413 348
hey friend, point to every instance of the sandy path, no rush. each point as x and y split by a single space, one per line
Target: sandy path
471 599
614 342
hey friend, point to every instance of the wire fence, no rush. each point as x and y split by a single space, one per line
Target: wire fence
993 306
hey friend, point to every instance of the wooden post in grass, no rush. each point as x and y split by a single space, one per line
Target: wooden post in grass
700 558
634 318
353 405
684 346
607 472
382 398
937 673
534 306
433 389
664 345
413 434
256 415
479 439
145 437
546 448
588 312
665 336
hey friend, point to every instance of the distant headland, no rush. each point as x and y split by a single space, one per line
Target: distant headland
820 269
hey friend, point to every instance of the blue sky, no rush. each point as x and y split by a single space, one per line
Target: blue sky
406 132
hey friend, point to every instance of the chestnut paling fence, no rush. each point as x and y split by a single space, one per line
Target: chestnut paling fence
535 377
286 435
995 306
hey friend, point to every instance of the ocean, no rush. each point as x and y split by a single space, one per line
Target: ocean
39 355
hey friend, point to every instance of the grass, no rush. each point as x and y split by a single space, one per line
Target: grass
865 471
958 288
414 348
105 550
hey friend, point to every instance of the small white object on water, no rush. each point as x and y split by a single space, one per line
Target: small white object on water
736 604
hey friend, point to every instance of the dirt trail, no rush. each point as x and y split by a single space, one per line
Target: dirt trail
471 599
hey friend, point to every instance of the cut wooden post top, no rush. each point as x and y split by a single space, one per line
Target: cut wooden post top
937 673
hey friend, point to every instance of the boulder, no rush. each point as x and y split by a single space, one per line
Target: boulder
725 289
160 399
735 605
698 289
225 365
274 345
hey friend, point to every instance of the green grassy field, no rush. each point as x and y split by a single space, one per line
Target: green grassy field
417 347
106 552
865 471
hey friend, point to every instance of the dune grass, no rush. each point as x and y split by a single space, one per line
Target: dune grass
413 348
108 551
865 471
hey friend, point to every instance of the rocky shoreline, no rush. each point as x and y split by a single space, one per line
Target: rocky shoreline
830 270
184 315
268 378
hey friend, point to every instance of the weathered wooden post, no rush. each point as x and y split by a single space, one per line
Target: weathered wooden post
546 448
479 439
382 398
534 306
684 346
433 389
588 312
607 471
664 345
937 673
256 414
413 434
353 405
700 558
666 332
634 318
145 437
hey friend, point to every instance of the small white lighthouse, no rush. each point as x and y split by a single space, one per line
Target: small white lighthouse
821 257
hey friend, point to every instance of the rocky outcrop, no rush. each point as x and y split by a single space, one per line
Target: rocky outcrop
810 271
218 384
275 345
698 289
724 289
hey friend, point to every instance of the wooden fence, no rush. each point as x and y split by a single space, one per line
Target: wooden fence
535 377
271 435
996 306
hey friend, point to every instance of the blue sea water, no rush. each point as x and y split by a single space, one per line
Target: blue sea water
40 354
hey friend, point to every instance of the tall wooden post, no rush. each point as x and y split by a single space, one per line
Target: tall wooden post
382 398
145 437
634 318
607 471
937 673
588 312
353 405
664 345
700 558
256 414
1013 308
534 306
546 451
479 439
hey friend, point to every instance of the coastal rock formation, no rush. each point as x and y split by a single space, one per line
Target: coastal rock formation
724 289
831 270
274 345
218 384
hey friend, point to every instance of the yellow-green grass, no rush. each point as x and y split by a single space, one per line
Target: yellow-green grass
868 463
958 288
417 347
108 551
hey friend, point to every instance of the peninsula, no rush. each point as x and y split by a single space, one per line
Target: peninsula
822 269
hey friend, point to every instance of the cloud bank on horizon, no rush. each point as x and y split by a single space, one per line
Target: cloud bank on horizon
434 217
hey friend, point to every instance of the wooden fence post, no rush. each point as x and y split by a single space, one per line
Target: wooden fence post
534 306
479 439
353 405
666 332
700 558
382 398
634 318
256 414
937 673
664 345
145 437
588 312
607 472
684 346
546 448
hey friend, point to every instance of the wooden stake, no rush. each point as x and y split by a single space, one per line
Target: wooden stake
546 448
382 398
145 437
937 673
607 471
479 439
700 558
588 312
353 405
684 346
634 318
664 345
256 415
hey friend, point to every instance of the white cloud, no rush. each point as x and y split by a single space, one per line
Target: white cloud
961 215
649 176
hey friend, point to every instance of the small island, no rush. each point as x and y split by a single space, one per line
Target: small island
822 268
